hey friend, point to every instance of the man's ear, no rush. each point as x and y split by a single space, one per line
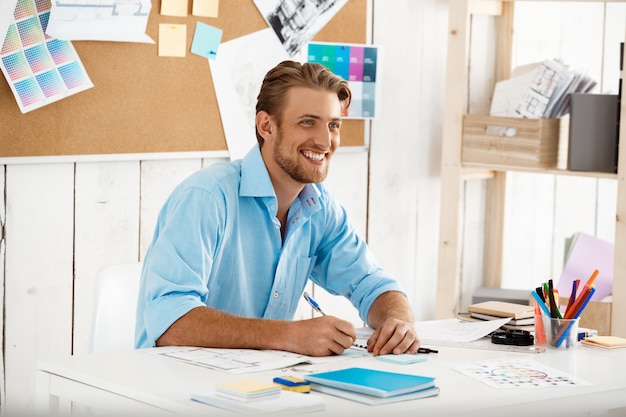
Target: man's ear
265 125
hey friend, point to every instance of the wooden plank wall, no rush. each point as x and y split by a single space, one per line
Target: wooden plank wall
66 219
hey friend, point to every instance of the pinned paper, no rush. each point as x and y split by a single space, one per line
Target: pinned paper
172 40
206 8
206 40
174 7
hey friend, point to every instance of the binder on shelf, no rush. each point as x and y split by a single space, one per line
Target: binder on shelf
593 133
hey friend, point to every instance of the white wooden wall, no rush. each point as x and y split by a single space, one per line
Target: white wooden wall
67 218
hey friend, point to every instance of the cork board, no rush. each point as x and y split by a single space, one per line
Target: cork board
143 103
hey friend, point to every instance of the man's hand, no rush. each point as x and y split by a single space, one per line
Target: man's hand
392 317
322 336
394 336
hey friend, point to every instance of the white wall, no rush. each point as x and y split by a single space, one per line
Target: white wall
66 219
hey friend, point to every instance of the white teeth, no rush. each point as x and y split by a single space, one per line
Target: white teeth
314 156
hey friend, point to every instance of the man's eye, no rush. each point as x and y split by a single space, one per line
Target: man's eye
308 122
335 125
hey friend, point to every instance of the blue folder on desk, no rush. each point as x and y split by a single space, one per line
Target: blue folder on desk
372 382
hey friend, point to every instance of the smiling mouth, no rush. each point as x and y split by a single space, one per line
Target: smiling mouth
314 156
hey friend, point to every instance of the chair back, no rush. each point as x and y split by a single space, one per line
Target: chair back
115 305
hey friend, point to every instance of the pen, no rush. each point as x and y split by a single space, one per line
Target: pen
426 350
317 308
313 303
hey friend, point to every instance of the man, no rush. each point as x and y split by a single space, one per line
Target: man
236 243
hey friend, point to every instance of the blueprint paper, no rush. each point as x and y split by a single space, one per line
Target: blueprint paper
100 20
39 69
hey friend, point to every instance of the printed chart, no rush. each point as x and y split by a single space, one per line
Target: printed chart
357 64
509 373
39 69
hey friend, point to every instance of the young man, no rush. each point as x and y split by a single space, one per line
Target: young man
236 242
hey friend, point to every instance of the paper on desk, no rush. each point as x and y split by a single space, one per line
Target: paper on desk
451 330
454 330
239 361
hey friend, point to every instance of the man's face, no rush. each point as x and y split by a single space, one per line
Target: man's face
308 135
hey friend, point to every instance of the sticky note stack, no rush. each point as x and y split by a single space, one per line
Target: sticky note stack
248 390
605 342
291 383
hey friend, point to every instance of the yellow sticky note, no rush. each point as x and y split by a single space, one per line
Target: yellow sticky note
172 40
206 8
174 7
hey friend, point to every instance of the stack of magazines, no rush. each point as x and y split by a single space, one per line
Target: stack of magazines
539 91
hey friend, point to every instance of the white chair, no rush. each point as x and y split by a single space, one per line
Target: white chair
115 304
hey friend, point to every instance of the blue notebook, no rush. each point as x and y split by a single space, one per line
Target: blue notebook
372 382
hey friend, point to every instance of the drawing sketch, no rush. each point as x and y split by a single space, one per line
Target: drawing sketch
295 22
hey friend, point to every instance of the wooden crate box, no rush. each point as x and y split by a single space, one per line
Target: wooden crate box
510 141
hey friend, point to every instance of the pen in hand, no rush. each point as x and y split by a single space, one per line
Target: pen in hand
317 308
313 303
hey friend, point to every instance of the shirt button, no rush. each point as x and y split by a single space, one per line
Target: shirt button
276 294
273 207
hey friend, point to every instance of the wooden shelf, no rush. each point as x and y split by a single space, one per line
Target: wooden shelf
470 170
454 172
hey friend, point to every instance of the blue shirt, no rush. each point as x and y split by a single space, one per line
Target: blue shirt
217 243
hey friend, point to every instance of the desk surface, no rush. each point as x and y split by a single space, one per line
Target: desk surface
138 381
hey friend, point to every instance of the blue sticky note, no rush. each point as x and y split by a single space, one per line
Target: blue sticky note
403 359
206 40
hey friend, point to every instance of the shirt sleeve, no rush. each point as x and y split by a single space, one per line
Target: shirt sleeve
345 265
181 252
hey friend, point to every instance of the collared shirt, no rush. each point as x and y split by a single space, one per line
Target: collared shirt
218 243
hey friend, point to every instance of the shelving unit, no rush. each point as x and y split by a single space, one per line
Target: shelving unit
454 172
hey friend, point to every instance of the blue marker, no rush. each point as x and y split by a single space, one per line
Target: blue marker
543 306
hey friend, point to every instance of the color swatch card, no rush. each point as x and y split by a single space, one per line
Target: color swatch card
357 64
39 69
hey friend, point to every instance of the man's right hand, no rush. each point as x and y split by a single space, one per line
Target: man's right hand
321 336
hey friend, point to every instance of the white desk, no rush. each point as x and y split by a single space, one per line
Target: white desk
137 383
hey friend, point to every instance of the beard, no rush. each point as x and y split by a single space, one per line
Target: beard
291 166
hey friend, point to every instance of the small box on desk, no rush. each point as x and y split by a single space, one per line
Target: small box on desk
510 141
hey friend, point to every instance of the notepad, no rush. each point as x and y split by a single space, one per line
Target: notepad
403 359
287 403
371 381
370 399
248 390
605 342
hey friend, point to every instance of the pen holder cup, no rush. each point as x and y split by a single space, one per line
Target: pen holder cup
556 333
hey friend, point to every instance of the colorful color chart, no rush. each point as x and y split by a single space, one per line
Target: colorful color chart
513 373
356 64
39 69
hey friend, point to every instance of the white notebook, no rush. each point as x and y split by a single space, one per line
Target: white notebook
287 403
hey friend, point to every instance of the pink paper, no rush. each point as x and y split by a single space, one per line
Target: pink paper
588 254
